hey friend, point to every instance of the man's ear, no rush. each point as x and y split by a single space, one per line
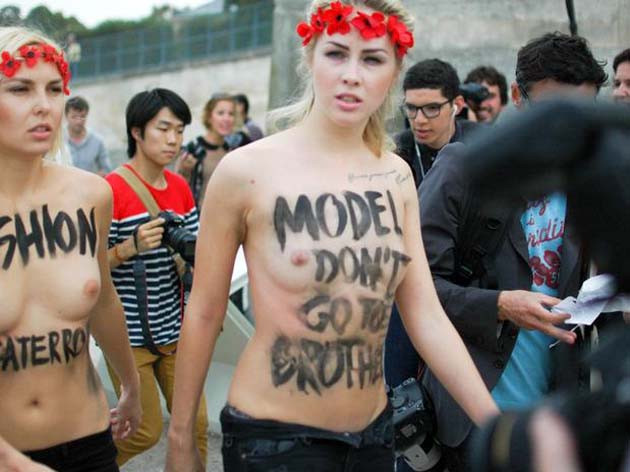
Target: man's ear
517 96
136 133
460 103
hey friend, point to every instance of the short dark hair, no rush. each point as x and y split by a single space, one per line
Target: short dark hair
491 76
143 107
77 103
623 56
433 74
558 56
242 99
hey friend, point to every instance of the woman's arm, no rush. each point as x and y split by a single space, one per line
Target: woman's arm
220 234
108 327
429 329
12 460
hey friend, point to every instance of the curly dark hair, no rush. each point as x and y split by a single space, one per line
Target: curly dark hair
623 56
492 76
433 74
558 56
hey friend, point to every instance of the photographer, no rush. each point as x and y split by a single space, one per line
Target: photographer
488 110
143 268
503 311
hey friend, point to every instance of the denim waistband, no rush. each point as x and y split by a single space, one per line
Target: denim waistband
239 425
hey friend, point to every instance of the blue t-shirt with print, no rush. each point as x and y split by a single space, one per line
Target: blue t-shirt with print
527 376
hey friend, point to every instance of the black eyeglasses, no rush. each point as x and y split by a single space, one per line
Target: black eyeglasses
524 94
430 110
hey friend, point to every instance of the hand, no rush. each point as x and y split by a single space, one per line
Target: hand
185 164
126 417
529 310
553 444
21 463
182 454
149 235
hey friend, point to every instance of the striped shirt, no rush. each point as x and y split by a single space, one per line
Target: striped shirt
164 294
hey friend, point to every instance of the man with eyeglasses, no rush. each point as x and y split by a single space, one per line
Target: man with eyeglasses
504 315
432 101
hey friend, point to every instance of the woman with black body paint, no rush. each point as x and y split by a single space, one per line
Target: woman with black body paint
55 283
328 219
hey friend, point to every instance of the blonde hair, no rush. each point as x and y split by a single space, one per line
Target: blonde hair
374 135
12 38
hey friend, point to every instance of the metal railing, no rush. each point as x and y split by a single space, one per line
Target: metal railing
182 40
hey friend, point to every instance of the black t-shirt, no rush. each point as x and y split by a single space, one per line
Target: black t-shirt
405 147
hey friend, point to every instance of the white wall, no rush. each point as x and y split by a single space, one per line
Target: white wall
108 97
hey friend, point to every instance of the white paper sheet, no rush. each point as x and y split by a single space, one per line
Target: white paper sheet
595 297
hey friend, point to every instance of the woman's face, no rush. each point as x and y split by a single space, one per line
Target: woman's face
352 76
222 118
31 107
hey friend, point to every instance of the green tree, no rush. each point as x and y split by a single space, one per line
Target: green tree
10 15
55 25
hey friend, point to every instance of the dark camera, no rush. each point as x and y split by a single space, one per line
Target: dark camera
474 93
598 420
177 237
196 150
414 426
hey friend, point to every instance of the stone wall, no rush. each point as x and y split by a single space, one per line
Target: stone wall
468 33
108 98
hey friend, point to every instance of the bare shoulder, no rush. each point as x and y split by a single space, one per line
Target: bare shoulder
255 159
81 186
403 175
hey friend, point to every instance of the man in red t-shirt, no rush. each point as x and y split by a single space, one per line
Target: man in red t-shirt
155 126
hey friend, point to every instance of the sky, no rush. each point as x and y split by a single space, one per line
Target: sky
92 12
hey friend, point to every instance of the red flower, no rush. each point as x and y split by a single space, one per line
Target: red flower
305 31
317 21
401 37
336 18
9 65
370 26
49 53
30 54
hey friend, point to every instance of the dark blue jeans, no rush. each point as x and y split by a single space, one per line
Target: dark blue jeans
94 453
401 361
252 445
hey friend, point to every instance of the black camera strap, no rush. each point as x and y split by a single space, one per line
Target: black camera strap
140 282
139 268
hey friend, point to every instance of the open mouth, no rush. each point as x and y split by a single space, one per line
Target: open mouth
348 98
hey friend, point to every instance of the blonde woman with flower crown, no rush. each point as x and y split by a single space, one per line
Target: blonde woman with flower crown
55 285
328 219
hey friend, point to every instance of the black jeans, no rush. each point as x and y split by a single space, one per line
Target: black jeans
252 445
94 453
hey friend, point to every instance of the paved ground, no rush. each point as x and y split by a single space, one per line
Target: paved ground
153 459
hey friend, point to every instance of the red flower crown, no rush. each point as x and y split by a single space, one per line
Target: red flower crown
29 55
334 19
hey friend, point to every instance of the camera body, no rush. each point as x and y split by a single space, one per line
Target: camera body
195 149
475 93
177 237
414 426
